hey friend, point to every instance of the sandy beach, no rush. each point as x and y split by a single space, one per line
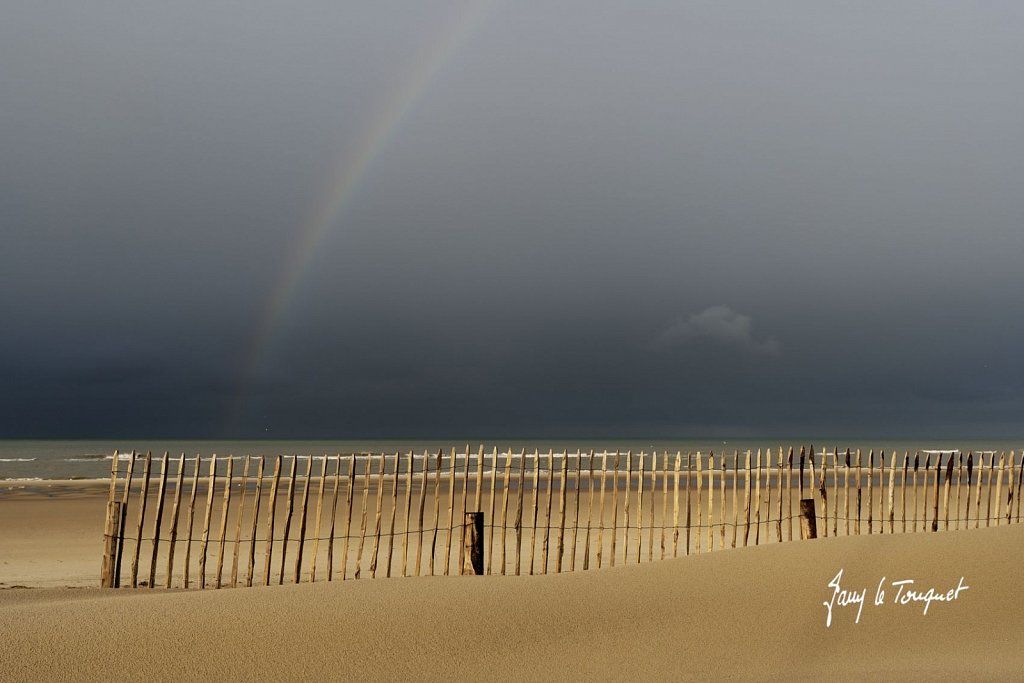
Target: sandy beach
744 613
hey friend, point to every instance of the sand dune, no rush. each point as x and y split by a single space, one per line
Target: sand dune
750 613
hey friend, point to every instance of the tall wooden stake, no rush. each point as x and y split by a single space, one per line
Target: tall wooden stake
289 513
159 518
600 513
238 522
319 519
302 519
451 510
367 462
377 515
175 506
255 521
143 497
394 509
191 519
205 539
268 552
221 538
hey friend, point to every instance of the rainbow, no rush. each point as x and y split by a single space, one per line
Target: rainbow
342 185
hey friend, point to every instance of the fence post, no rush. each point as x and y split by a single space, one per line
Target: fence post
808 522
473 549
110 533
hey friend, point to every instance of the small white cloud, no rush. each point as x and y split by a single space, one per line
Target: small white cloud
720 324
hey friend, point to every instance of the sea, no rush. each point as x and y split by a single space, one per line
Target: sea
37 460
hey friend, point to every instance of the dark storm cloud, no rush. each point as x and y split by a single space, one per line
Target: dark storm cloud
666 218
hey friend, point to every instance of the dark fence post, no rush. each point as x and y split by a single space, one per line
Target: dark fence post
473 551
110 533
808 522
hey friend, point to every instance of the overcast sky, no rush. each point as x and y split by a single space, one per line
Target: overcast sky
569 219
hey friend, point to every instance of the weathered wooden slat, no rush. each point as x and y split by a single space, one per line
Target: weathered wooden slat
860 473
996 513
408 513
767 523
903 487
437 508
394 510
143 498
297 574
735 498
421 510
945 499
204 540
846 492
651 515
747 492
110 523
700 491
289 513
238 522
977 502
365 504
625 509
536 509
451 511
639 510
378 515
892 480
722 518
781 518
823 489
916 508
221 537
689 517
271 518
519 510
871 489
614 510
490 517
1010 489
123 521
757 498
334 517
478 491
506 482
675 502
711 501
191 519
547 517
600 514
255 520
175 507
590 511
465 503
789 494
959 487
319 517
374 554
576 515
560 549
159 518
882 512
1020 487
110 530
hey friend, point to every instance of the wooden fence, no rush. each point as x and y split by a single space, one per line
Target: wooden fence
227 521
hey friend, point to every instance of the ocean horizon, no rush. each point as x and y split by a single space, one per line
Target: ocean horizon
54 459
